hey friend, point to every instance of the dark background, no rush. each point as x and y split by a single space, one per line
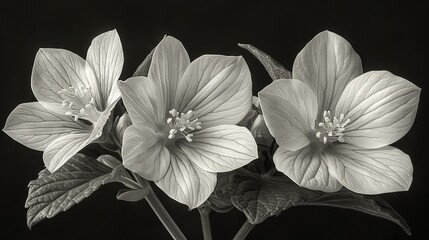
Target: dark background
387 36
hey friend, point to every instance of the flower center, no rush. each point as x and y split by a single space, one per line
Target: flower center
79 103
183 124
331 130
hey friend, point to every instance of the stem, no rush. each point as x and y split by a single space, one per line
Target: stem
155 204
163 215
205 222
129 183
244 230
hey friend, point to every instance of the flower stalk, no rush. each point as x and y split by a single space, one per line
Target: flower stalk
159 209
205 222
163 215
244 231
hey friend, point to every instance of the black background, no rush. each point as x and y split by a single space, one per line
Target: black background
387 36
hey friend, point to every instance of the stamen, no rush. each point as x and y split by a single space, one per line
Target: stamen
331 129
79 103
182 123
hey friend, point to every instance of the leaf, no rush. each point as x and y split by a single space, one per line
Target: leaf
372 205
274 68
143 68
56 192
220 201
261 196
133 195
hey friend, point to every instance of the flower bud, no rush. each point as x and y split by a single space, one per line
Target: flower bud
121 123
254 121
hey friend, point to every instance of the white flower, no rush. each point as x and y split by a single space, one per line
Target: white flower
74 96
183 116
334 123
255 122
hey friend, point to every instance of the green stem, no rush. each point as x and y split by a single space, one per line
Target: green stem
205 222
163 216
244 230
129 183
156 206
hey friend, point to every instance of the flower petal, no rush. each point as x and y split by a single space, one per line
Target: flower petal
58 69
187 183
371 171
114 94
307 167
221 148
35 127
381 106
289 108
169 62
327 63
142 98
65 147
218 88
144 153
106 58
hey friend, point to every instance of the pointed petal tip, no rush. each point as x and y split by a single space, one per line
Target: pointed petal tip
170 39
328 33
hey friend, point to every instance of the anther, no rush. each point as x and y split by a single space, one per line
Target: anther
332 128
182 123
79 103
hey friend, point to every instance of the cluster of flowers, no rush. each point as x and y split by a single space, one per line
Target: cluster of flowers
332 122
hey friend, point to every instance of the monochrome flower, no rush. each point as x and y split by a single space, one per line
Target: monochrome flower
74 96
183 117
334 123
255 122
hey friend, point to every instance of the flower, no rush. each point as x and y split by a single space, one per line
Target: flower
183 115
74 96
255 122
333 123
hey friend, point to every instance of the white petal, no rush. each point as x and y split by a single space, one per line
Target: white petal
381 106
65 147
371 171
187 183
144 153
221 148
307 167
289 108
218 88
327 63
143 101
169 62
57 69
114 94
35 127
260 132
106 58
